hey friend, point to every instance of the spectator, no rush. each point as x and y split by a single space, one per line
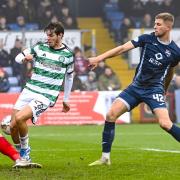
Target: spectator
27 10
126 7
21 71
70 23
137 10
65 17
3 24
152 8
77 84
100 69
4 83
168 6
4 56
81 64
109 81
47 16
20 24
17 68
11 11
147 21
54 19
91 83
124 31
57 7
45 5
175 84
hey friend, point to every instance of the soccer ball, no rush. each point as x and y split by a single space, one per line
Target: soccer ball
5 125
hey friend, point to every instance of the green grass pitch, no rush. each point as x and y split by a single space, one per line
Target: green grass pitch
139 152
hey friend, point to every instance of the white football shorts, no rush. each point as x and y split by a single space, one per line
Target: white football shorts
37 102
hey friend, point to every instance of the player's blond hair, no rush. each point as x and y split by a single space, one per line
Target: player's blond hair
166 17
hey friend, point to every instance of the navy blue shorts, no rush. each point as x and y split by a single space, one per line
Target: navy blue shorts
133 95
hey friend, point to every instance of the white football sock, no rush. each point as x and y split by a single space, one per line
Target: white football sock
24 142
106 155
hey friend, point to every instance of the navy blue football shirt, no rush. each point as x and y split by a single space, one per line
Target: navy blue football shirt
155 60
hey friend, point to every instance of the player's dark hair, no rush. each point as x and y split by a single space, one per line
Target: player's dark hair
165 17
56 27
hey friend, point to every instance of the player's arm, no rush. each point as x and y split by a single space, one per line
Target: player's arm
24 56
68 82
168 78
111 53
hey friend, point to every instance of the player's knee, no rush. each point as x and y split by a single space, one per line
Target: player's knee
111 117
165 124
13 126
18 118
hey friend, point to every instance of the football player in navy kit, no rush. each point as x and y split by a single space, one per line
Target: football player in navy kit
159 55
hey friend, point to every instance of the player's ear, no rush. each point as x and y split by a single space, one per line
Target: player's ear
61 35
169 25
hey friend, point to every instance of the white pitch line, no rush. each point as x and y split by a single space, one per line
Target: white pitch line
117 149
160 150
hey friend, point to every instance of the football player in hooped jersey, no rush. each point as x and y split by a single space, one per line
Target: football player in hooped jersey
159 54
53 65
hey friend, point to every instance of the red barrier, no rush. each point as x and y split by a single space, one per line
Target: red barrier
148 117
86 108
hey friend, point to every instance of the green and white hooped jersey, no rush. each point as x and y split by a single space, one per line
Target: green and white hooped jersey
50 67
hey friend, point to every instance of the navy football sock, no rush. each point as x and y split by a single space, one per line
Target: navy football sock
175 132
108 136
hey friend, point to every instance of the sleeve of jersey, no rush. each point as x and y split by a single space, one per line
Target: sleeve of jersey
139 41
67 86
70 68
20 57
175 63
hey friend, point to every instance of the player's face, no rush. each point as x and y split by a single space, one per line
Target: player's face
53 39
160 28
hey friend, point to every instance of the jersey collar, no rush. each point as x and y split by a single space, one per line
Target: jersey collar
165 43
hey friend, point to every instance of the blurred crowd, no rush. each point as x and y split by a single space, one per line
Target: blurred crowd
101 79
34 15
122 15
18 15
136 14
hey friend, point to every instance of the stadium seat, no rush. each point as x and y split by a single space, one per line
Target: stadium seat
15 89
13 81
115 16
116 25
32 26
9 70
27 27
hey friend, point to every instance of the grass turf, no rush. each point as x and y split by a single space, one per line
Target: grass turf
66 151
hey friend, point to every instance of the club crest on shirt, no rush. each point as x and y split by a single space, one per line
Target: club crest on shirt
136 39
168 53
61 58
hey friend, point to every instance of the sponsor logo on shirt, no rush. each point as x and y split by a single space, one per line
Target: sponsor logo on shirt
168 53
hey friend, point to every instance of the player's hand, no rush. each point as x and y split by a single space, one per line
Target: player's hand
66 107
28 57
93 62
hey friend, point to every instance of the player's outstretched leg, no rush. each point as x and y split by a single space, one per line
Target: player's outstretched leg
118 108
107 140
25 159
175 132
7 149
166 123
